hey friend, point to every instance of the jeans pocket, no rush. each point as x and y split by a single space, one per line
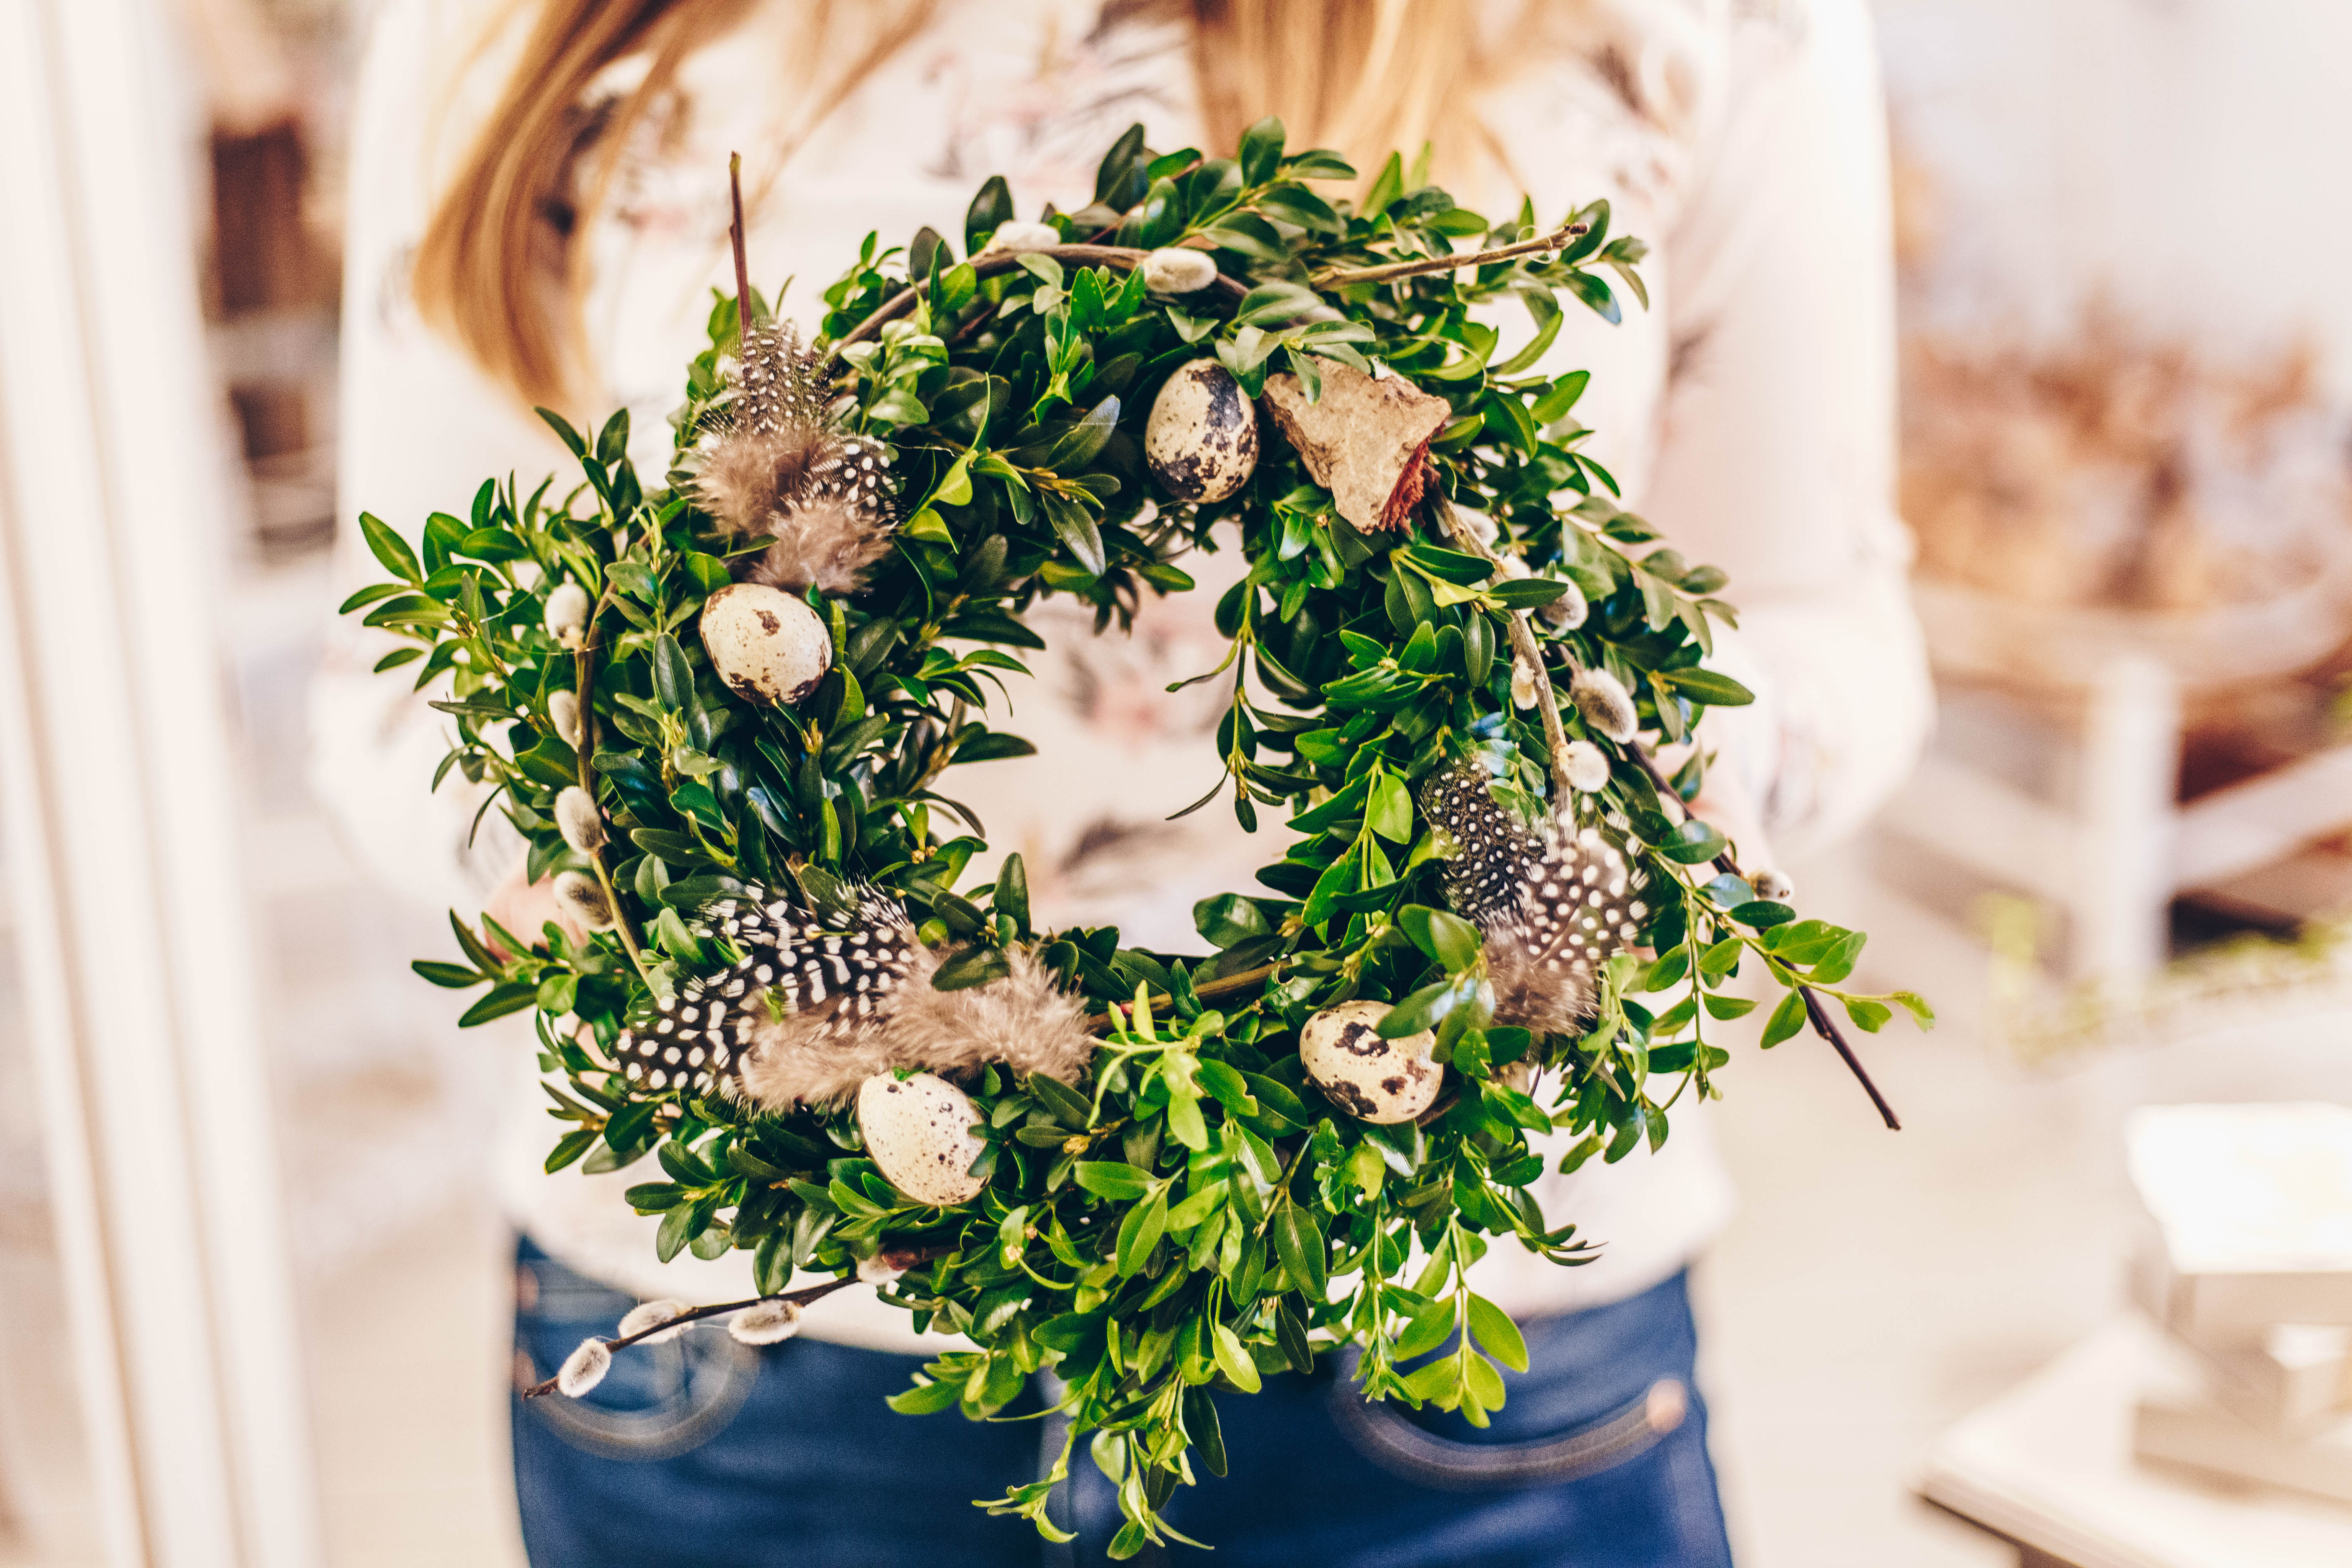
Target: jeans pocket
656 1402
1387 1439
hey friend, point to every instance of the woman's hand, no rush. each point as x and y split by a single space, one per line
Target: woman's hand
524 906
1727 802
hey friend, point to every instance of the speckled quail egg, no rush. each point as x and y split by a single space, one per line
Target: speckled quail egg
1201 438
1371 1079
918 1131
767 646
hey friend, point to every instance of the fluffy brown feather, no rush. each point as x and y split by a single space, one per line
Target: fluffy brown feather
823 1000
827 545
1025 1021
745 478
794 1061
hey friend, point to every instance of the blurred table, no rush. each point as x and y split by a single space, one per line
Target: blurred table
2048 1467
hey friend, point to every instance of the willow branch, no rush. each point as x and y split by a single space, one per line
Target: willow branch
1815 1014
1340 277
900 1257
743 266
583 680
1528 654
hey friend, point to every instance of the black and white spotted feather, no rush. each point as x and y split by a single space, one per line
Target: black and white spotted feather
1581 902
1487 849
821 1003
783 469
825 983
1554 901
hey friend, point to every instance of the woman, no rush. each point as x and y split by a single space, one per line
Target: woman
538 217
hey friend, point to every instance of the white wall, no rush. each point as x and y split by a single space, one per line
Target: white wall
2192 156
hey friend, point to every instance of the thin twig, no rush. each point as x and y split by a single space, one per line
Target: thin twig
1815 1014
1122 257
1528 653
1826 1027
1222 985
902 1258
1340 277
743 266
584 680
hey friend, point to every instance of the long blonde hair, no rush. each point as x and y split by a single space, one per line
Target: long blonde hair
496 269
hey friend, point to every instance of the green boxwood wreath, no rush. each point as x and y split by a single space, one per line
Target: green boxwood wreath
1189 1212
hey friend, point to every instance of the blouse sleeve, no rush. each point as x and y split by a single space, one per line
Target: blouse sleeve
419 425
1777 446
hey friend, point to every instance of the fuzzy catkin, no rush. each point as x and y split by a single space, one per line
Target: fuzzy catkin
567 612
877 1269
765 1323
1586 765
584 1368
1567 612
583 899
1017 236
563 712
1175 269
653 1314
1605 704
577 818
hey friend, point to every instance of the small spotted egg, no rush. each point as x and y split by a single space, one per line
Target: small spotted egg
918 1131
1201 438
1371 1079
766 645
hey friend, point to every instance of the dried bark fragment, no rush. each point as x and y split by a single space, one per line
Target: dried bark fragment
1366 439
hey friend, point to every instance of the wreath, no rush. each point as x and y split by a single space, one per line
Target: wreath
722 711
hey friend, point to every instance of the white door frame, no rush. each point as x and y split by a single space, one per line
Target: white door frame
120 826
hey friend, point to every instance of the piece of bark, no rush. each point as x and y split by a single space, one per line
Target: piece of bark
1366 439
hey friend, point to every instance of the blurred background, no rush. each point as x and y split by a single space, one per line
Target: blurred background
2124 873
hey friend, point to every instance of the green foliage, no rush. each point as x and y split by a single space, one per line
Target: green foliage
1196 1214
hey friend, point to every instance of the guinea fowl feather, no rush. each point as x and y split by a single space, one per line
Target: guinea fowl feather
783 469
1554 902
1579 904
802 1011
1487 849
819 1004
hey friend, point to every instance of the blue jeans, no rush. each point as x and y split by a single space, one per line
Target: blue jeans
702 1453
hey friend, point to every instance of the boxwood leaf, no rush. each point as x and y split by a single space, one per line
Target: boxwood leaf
1786 1020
